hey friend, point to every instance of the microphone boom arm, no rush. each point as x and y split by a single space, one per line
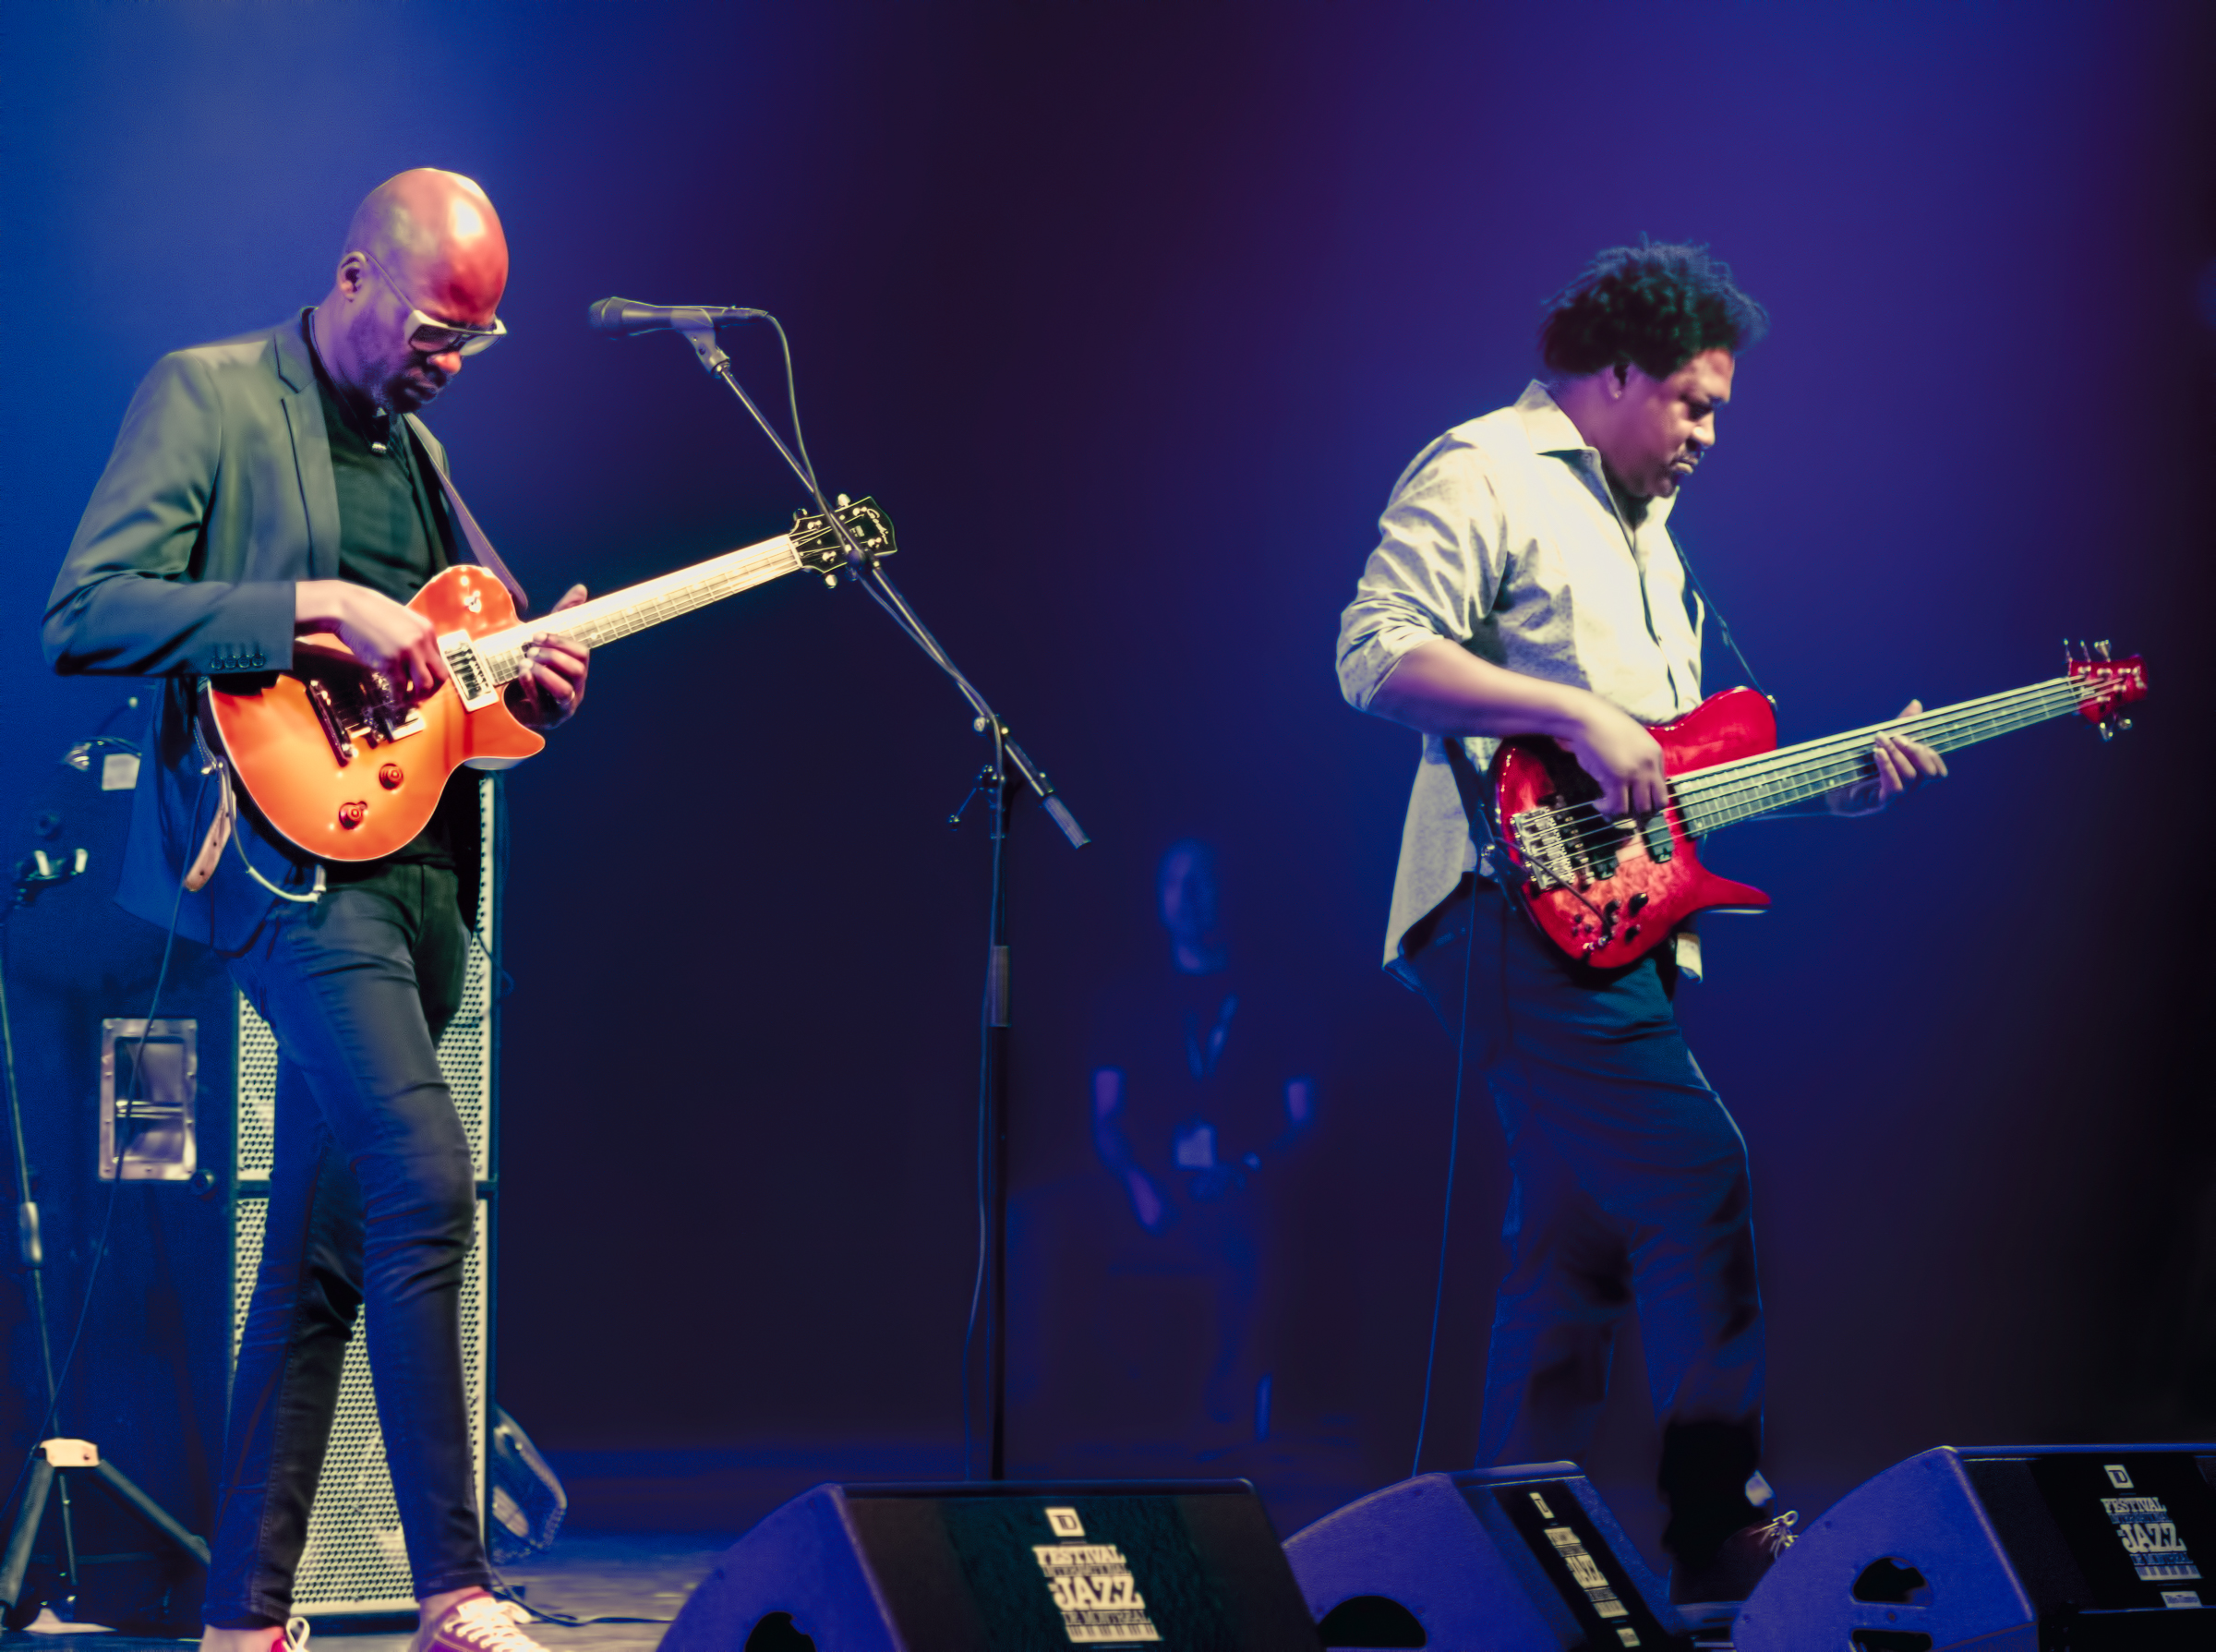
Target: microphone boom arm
1009 762
863 567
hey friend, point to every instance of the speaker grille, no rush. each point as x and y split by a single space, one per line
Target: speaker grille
355 1559
257 1093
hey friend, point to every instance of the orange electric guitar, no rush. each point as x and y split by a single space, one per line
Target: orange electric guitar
337 763
1606 891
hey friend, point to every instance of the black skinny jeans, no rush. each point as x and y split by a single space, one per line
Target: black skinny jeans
372 1200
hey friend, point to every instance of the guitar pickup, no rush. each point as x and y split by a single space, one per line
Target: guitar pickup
473 678
1656 829
326 714
1599 859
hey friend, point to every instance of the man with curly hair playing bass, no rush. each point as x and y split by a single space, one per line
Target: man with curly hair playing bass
1526 584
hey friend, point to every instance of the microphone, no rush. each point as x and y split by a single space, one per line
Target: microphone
623 318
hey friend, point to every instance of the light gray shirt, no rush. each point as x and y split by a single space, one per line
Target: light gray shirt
1503 537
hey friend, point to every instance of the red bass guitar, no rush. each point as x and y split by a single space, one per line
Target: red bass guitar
337 762
1606 891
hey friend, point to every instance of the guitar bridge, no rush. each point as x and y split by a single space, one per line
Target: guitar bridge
364 712
1536 835
380 728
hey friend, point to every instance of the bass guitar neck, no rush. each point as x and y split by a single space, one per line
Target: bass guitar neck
1608 891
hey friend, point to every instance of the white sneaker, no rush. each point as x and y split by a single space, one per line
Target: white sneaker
477 1625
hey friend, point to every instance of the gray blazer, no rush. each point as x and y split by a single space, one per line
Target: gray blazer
217 500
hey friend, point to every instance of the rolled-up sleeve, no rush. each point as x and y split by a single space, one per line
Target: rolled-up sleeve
1437 564
132 598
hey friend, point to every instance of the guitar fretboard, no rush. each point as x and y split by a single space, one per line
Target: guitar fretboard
1746 787
633 609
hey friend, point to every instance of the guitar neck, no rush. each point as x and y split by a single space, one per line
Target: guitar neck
1748 787
633 609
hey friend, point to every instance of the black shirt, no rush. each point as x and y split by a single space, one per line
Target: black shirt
394 535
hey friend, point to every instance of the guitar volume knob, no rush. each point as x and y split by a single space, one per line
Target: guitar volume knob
353 814
390 776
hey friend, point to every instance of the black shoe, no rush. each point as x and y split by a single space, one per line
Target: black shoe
1740 1562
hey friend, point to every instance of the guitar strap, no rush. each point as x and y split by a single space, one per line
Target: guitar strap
481 547
1707 603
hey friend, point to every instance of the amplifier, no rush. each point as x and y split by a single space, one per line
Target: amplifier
181 1209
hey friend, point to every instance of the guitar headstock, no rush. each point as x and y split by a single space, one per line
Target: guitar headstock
2105 685
817 543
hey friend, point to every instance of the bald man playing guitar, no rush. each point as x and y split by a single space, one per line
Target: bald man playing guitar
273 486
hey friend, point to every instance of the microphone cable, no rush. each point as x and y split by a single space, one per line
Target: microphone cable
1446 1219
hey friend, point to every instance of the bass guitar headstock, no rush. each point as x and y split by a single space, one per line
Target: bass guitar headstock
2105 685
818 544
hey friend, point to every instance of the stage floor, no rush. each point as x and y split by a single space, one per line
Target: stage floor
627 1562
586 1574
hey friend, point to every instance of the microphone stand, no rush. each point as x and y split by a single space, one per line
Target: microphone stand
1009 764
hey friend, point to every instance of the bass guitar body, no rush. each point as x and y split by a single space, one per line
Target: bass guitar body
337 762
1607 892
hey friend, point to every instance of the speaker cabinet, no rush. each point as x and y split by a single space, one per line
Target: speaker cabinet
356 1561
1494 1559
150 1382
2004 1548
1003 1567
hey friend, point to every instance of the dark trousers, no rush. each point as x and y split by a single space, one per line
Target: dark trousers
372 1200
1630 1192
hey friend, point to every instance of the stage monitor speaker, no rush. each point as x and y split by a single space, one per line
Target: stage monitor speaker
1003 1567
2005 1549
1494 1559
182 1226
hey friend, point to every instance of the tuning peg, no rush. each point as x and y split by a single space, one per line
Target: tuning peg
2100 649
2123 725
844 501
831 580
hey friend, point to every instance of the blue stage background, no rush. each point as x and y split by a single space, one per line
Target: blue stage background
1129 314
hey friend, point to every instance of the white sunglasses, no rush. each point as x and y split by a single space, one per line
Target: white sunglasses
434 337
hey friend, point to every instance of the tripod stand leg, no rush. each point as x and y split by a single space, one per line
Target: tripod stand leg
26 1532
153 1512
